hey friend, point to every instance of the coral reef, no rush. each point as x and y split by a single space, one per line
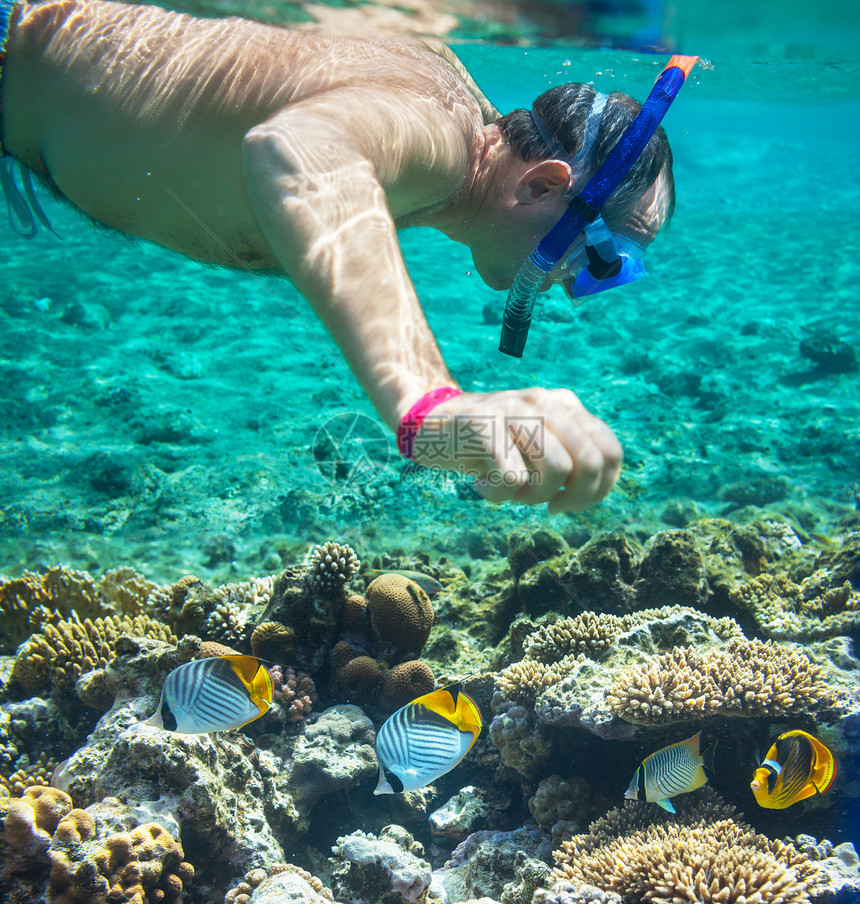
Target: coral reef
703 855
55 659
34 600
243 804
331 566
386 868
564 682
744 678
570 665
810 610
279 883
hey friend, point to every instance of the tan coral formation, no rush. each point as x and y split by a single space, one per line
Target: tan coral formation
401 612
554 650
38 773
807 611
742 678
241 893
704 856
54 659
142 866
331 566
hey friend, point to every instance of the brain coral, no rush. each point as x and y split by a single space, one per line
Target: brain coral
401 613
743 678
55 659
703 855
405 682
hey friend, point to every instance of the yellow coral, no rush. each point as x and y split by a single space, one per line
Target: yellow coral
694 858
55 659
785 610
136 867
29 602
743 678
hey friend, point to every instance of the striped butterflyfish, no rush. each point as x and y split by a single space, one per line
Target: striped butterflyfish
213 694
667 772
425 739
796 767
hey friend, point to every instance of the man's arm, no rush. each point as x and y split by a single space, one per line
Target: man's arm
322 177
314 177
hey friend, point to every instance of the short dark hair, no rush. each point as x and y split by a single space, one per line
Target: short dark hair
565 110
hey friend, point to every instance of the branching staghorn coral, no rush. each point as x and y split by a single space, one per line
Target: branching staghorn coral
703 856
743 678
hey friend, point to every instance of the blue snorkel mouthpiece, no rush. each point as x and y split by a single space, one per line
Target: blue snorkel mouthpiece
583 211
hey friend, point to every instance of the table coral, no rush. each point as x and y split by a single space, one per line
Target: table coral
743 678
54 659
401 613
702 855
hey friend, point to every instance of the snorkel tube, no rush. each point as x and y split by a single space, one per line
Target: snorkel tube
585 207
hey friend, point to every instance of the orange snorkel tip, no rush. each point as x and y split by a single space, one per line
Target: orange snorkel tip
684 63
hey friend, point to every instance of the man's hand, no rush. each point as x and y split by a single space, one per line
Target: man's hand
530 445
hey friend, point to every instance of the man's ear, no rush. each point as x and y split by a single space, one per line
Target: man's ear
548 176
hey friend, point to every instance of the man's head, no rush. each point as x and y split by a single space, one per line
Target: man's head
643 202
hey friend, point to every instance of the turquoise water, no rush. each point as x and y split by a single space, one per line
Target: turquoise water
183 419
164 414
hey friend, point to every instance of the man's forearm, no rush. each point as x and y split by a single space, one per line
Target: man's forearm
335 238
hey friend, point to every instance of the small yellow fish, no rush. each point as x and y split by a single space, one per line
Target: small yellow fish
796 767
667 772
425 739
213 694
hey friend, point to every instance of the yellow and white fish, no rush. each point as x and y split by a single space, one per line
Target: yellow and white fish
213 694
667 772
796 767
425 739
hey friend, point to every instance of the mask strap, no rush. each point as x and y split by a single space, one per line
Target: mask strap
589 138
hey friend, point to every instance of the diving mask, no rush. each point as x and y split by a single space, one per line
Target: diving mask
604 260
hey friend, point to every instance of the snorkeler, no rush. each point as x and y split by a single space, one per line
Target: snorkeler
253 146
